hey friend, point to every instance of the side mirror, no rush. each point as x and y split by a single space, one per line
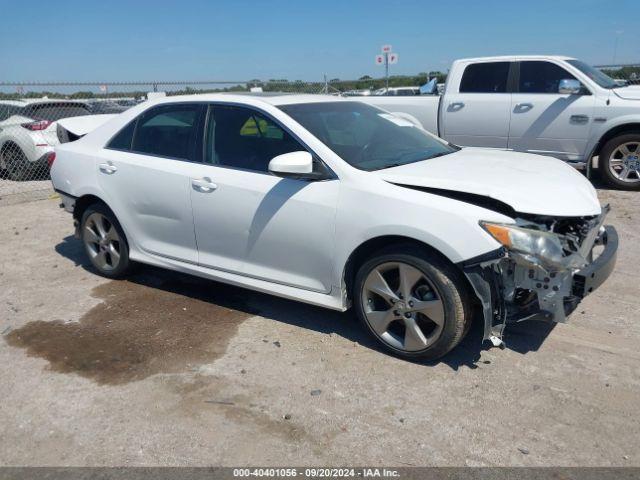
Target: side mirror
292 164
569 87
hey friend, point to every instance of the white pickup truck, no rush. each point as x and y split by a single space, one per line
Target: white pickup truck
547 105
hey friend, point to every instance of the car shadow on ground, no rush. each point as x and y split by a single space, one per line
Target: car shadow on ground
521 338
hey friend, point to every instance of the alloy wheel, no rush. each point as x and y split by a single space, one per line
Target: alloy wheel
402 306
102 242
624 162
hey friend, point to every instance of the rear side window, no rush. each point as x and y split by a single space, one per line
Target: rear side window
123 139
55 111
541 77
8 111
490 77
168 131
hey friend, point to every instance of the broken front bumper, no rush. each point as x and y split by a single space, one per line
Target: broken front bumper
511 289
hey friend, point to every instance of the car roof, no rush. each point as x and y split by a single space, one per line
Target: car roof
23 102
271 98
508 58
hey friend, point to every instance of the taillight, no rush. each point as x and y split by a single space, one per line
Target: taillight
51 157
37 125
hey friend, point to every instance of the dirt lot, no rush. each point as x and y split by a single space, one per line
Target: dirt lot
165 369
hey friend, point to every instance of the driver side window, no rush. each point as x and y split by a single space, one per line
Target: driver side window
541 77
243 138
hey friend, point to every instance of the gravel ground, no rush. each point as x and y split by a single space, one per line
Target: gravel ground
12 192
165 369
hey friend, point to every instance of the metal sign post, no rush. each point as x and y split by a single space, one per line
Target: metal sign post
386 58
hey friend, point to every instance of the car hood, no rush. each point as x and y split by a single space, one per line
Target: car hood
527 183
631 92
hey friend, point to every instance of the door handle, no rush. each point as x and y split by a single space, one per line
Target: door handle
579 119
204 185
108 168
523 107
455 106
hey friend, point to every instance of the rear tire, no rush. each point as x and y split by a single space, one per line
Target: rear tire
16 163
104 241
414 303
619 161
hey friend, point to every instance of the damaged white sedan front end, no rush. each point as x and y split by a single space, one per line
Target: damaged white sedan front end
554 248
544 269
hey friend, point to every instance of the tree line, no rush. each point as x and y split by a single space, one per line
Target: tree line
333 85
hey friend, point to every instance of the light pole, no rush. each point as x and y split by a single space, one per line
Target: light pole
386 58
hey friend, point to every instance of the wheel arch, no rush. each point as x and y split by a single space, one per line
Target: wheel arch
83 202
6 144
369 247
5 147
622 129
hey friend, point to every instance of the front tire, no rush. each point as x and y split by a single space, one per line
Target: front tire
619 161
415 304
104 241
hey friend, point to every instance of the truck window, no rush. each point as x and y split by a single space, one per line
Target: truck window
541 77
489 77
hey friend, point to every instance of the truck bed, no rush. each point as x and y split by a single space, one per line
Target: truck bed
423 108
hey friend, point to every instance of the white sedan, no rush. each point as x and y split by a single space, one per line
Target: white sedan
336 203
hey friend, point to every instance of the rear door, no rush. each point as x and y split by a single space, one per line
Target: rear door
544 121
477 114
251 222
145 172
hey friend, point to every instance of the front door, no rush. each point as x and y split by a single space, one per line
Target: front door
251 222
544 121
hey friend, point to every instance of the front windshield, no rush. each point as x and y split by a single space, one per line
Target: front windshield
602 79
366 137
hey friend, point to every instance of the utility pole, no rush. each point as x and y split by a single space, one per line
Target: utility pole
615 46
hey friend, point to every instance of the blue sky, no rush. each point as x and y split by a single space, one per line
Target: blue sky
237 40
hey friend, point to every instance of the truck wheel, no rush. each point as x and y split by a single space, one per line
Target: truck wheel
16 163
619 161
104 241
414 304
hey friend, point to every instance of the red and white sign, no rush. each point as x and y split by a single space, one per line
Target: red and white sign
393 58
386 49
379 59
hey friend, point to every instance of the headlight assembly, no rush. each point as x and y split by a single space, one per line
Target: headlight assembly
535 245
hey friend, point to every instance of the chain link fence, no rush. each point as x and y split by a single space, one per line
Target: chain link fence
30 118
30 114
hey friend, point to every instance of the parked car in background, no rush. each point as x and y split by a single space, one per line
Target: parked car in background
28 133
106 107
336 203
356 93
548 105
398 91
